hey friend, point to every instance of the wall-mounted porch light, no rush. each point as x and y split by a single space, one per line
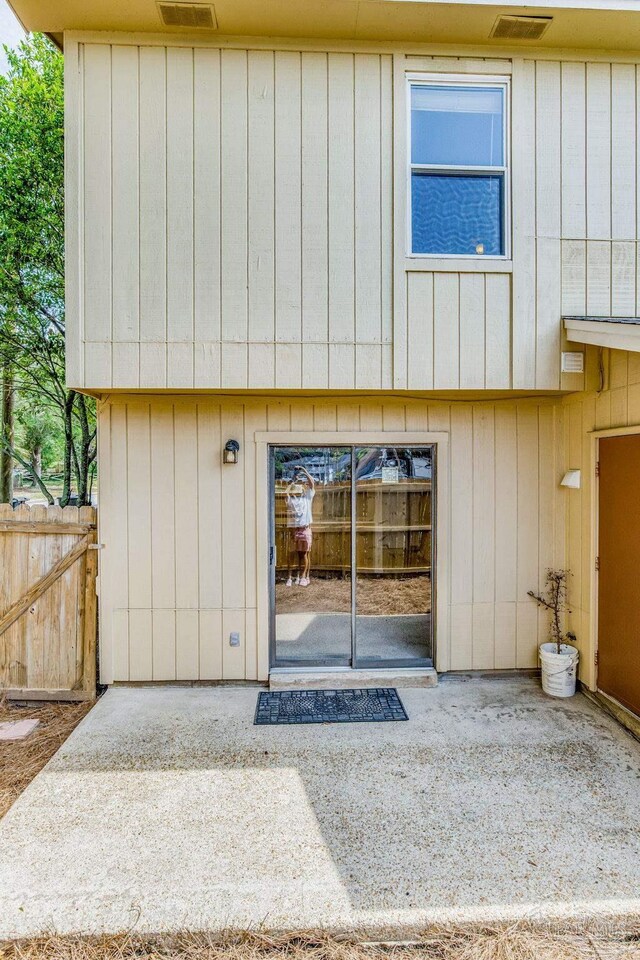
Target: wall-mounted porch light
571 479
230 452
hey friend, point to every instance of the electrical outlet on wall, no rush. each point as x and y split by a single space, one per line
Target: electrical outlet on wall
234 639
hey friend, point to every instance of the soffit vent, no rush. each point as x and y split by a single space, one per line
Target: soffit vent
200 15
520 28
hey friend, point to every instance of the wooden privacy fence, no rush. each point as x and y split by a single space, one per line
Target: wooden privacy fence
48 610
393 528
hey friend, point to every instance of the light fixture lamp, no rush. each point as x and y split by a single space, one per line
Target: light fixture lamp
230 452
571 479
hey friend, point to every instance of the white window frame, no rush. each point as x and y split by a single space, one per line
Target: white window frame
462 80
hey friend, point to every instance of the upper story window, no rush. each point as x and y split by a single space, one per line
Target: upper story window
459 167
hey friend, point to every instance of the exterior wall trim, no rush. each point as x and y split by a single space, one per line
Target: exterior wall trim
596 435
424 75
74 217
399 304
604 333
427 264
492 54
441 439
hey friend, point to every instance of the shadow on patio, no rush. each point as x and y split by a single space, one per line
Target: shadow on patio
168 808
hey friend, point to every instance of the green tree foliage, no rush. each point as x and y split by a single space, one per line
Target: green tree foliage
32 319
39 436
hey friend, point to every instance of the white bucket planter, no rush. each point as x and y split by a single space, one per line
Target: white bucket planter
559 670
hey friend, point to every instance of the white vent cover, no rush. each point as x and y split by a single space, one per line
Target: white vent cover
572 362
188 15
520 28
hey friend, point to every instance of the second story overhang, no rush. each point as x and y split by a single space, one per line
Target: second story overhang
577 24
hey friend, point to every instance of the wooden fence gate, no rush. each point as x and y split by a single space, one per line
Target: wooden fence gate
48 610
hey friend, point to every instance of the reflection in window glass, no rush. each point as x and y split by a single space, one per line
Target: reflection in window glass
394 554
457 126
312 539
456 214
320 616
458 169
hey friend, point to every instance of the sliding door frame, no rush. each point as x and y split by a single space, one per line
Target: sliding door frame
265 605
342 663
360 662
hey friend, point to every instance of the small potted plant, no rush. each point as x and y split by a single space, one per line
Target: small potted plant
558 657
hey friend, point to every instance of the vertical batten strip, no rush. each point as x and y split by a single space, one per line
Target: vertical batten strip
386 198
74 160
497 331
163 557
367 138
126 202
261 201
598 151
108 502
206 226
573 150
233 224
506 534
138 485
472 331
288 194
420 331
314 184
483 654
97 230
523 135
527 527
623 151
341 199
116 560
446 331
548 494
400 226
180 198
152 198
548 224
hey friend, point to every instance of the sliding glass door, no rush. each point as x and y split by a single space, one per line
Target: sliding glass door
312 556
394 547
352 556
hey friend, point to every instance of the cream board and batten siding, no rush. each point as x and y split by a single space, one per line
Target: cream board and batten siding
237 219
170 512
575 224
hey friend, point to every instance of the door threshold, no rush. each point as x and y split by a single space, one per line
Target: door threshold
622 714
324 678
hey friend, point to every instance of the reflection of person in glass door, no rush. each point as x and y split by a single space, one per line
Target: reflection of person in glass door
299 496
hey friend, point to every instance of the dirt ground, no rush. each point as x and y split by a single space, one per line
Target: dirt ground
513 943
375 596
21 760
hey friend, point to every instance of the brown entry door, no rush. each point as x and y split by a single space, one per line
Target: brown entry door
619 577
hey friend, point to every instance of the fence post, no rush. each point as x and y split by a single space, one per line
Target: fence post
90 624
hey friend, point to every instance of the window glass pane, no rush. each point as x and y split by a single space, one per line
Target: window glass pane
456 214
457 126
394 517
312 587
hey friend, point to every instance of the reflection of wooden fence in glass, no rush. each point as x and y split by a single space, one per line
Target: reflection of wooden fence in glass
393 527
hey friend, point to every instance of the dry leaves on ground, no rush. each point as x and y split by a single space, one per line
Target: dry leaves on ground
514 943
21 760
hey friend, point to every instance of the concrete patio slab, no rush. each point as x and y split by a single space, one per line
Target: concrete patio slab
167 809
